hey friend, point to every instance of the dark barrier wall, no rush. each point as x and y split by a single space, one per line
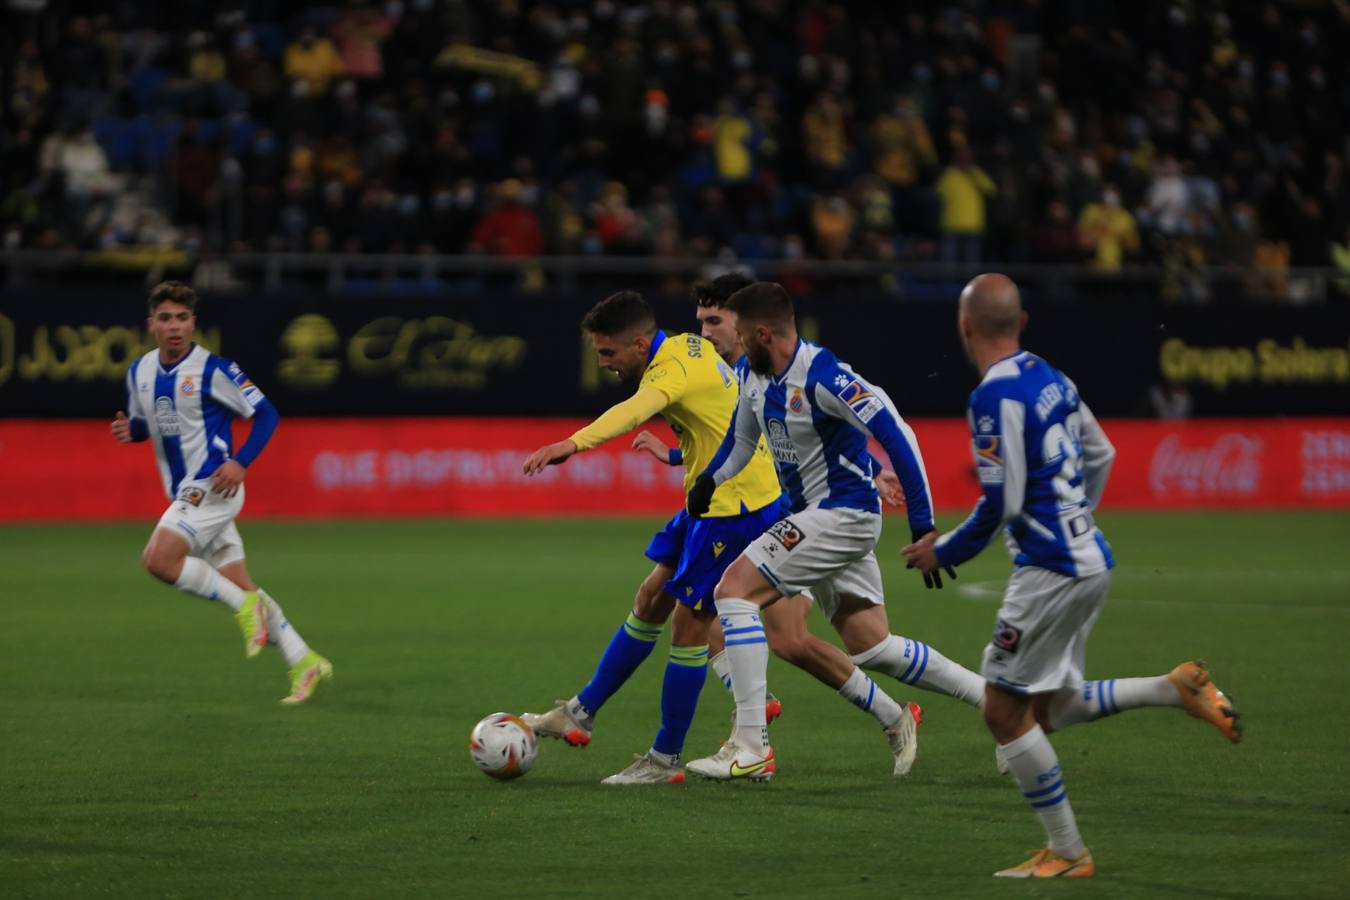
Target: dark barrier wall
65 353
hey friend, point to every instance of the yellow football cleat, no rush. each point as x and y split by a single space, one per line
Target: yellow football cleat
305 677
1046 863
1203 700
252 619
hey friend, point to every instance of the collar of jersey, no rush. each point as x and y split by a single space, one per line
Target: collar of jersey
191 348
656 345
1000 362
778 379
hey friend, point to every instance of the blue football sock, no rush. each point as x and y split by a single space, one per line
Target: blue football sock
685 674
631 644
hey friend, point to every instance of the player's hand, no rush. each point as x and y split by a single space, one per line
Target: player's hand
549 455
227 479
888 483
121 428
653 445
700 496
922 555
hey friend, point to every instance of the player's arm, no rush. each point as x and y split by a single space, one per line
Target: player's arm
1098 456
134 429
232 389
997 428
620 418
868 409
735 453
888 483
652 444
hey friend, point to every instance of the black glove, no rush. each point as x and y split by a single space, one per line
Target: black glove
934 579
700 496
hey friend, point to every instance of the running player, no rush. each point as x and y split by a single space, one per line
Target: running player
682 378
183 398
1043 462
816 413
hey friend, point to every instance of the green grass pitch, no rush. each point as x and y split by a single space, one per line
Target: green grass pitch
142 756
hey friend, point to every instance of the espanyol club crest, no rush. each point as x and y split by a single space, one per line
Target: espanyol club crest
187 387
796 404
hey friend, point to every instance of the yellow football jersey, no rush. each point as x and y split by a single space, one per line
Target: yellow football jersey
701 391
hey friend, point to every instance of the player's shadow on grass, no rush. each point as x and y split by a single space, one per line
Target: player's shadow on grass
1166 889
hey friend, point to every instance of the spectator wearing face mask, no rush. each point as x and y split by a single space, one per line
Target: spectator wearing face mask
1108 231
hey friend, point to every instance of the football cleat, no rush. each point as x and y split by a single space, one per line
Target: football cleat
1046 863
305 678
904 738
1203 700
773 708
647 770
559 723
732 763
252 619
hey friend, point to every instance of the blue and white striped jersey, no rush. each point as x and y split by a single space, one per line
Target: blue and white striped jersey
1043 462
187 409
816 417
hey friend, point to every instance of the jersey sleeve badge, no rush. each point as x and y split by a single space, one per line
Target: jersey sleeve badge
861 400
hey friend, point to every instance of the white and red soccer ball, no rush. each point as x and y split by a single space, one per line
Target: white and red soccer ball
503 746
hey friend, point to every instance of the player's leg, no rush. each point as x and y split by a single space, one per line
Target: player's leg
1188 687
686 670
865 630
192 523
573 720
307 669
1039 647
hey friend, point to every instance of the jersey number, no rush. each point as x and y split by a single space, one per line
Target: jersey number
1064 442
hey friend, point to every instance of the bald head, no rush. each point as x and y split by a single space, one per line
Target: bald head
993 306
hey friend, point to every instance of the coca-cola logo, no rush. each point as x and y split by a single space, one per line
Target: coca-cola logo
1227 466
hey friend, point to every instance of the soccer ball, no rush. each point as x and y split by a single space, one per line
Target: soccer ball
503 746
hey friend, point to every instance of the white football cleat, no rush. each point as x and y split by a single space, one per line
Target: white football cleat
904 738
732 763
647 770
560 723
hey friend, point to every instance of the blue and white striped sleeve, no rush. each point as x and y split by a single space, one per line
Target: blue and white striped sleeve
998 427
845 395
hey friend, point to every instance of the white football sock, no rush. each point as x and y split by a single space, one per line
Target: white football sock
748 656
916 663
863 693
1036 767
1098 699
280 632
198 577
722 667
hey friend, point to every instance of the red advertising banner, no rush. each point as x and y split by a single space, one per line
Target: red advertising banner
68 470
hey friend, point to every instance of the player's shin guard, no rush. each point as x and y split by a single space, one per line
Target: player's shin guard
280 632
916 663
863 693
685 673
748 653
627 650
199 578
1035 766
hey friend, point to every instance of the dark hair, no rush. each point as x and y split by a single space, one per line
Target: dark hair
173 291
765 302
718 291
618 314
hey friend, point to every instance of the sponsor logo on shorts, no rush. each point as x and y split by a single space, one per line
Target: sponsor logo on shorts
192 495
718 548
786 533
1006 636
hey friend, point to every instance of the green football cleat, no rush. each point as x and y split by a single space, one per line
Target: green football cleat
305 677
252 619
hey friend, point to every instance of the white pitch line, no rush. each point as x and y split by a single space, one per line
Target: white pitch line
993 591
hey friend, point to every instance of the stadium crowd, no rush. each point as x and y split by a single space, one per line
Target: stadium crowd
1184 133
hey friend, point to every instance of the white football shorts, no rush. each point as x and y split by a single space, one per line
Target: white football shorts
205 520
824 552
1040 640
